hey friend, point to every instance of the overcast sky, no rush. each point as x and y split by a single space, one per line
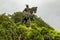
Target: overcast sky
48 10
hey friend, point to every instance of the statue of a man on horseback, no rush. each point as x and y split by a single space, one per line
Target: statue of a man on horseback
28 13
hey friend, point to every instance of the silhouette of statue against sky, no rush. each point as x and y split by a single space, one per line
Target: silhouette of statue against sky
28 14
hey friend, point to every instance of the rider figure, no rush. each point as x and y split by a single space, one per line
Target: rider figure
26 9
26 12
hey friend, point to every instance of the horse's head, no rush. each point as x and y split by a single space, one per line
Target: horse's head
34 9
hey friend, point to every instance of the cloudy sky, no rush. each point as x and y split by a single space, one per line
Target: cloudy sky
48 10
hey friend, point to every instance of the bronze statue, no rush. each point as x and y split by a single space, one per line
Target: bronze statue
28 13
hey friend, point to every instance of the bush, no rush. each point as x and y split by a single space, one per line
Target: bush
9 30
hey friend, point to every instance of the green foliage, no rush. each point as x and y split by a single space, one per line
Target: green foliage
17 17
37 31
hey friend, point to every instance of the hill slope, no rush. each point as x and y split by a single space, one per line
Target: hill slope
12 29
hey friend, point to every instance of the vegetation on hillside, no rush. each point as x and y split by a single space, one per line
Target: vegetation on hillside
11 28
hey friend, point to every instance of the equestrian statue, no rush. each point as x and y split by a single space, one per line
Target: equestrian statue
28 14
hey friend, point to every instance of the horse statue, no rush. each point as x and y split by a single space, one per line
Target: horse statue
29 15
